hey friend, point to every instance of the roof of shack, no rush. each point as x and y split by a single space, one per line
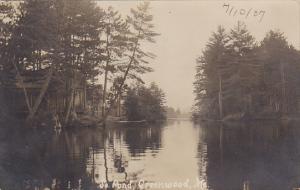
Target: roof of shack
34 79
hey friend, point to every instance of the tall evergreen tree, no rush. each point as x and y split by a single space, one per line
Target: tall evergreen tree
141 31
115 41
210 73
7 22
34 39
80 46
243 70
280 72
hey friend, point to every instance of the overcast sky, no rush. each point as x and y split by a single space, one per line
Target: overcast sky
185 27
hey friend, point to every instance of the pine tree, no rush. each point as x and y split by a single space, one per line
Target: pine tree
280 72
35 37
209 75
228 74
115 42
7 22
80 27
242 78
243 70
141 31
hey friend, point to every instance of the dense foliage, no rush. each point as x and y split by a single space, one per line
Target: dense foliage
236 77
72 37
145 103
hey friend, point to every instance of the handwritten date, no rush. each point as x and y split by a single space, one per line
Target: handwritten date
249 12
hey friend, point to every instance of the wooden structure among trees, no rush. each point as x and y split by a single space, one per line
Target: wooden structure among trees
55 96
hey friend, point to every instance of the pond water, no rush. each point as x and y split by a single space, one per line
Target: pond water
174 155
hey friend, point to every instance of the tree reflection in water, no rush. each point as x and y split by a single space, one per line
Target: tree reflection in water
71 159
252 156
235 156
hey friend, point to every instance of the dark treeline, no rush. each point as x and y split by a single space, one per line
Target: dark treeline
145 103
72 42
237 77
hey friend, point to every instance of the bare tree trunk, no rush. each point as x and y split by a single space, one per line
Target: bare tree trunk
106 73
41 95
84 95
119 106
104 89
283 88
69 104
220 98
74 99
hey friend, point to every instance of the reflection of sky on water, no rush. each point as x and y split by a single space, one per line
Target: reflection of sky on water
252 156
175 160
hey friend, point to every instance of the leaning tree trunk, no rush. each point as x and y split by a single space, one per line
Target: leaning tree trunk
20 79
119 91
41 95
69 104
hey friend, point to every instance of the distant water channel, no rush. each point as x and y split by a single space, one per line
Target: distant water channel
174 155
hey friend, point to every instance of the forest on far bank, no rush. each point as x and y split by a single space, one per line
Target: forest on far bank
238 77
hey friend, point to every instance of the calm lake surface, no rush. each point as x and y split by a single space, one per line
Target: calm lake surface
252 156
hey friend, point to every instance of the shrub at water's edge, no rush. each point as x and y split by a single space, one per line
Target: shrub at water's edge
145 103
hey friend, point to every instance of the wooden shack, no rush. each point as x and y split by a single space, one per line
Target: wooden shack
54 99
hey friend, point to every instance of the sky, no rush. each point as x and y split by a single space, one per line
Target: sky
185 27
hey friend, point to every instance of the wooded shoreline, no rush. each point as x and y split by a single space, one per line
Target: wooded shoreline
52 54
239 78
